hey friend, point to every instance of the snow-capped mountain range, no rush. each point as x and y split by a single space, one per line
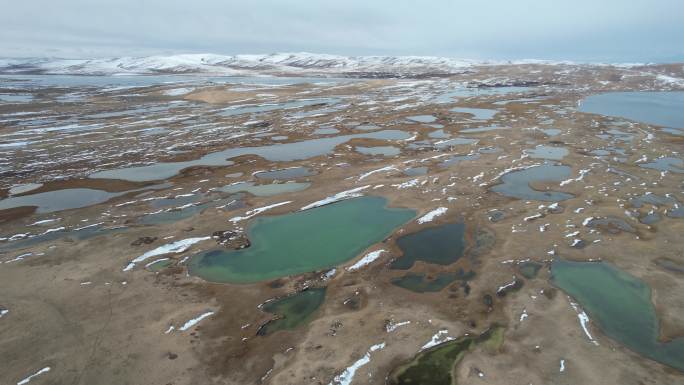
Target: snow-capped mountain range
274 64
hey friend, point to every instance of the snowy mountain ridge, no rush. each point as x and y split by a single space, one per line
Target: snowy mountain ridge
236 65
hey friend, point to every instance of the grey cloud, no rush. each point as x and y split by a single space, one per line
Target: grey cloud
608 30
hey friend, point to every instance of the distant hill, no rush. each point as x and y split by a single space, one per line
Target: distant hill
284 64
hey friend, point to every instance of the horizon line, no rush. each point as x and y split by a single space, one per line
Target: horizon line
303 53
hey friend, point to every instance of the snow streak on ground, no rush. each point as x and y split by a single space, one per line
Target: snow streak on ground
175 248
346 377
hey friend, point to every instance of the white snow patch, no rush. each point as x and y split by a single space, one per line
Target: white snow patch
410 183
504 287
353 193
432 215
178 91
257 211
584 321
369 173
581 175
329 274
390 327
195 321
346 377
125 203
44 221
366 260
670 80
88 226
48 231
19 257
155 261
29 378
439 338
175 247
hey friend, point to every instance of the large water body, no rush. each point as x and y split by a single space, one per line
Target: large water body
451 96
66 199
477 113
63 81
15 98
285 173
417 282
422 118
671 164
264 190
325 131
483 129
423 283
277 152
442 245
416 171
516 184
659 108
454 160
379 150
621 306
455 142
81 234
547 152
302 241
50 201
292 311
180 212
266 107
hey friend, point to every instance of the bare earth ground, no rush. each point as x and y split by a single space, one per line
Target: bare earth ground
72 308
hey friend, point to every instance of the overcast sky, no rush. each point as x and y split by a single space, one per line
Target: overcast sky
584 30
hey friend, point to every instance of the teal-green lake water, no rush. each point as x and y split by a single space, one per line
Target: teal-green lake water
516 184
530 269
442 245
302 241
293 311
621 306
421 283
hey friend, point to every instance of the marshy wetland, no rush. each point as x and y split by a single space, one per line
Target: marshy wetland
505 224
